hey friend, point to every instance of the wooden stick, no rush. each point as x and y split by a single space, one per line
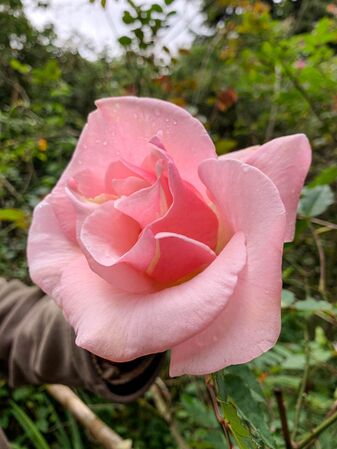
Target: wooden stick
100 431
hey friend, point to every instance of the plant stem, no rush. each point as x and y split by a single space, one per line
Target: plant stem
283 417
223 423
322 265
274 107
302 91
159 392
325 223
316 432
300 398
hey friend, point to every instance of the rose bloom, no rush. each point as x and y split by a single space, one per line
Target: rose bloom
150 242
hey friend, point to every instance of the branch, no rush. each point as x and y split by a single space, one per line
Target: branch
159 393
316 432
304 382
274 107
100 431
325 223
322 265
283 417
223 423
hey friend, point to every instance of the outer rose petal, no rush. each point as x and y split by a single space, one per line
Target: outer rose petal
64 211
250 323
120 326
286 162
49 252
122 127
240 155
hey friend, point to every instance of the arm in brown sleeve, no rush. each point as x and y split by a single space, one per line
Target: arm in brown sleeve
38 346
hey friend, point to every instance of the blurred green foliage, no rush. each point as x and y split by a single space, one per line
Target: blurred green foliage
264 69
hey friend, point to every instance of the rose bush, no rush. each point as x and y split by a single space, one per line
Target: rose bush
150 242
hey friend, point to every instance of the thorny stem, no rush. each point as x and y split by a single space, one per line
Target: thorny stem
223 423
283 417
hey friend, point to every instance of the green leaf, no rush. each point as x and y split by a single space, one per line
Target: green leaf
127 18
326 176
315 201
239 428
139 33
28 426
244 407
288 298
19 67
125 41
157 8
312 305
283 381
74 432
16 216
198 412
168 2
103 3
225 145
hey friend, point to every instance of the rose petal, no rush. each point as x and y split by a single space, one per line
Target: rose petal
49 252
64 212
84 182
88 183
122 127
107 234
121 327
114 249
179 257
128 186
188 215
240 155
144 206
250 323
121 169
82 207
123 178
135 121
286 162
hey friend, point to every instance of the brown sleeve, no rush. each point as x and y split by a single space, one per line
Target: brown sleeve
38 346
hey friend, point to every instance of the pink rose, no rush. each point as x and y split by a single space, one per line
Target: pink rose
150 242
